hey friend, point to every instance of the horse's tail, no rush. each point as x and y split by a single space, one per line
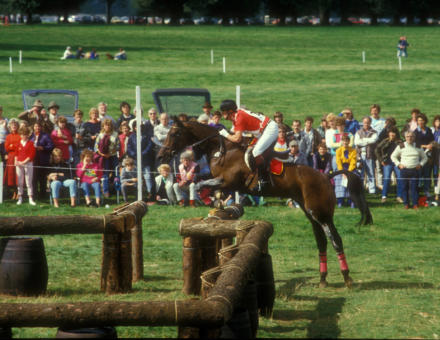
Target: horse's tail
357 194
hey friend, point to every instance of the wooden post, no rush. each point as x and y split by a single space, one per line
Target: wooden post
110 263
137 250
125 262
191 266
209 253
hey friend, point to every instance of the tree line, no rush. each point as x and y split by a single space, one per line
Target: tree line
238 11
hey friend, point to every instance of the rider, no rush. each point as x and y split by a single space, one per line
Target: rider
261 127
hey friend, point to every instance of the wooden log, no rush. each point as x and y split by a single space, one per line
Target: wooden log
99 314
191 266
55 225
198 227
125 262
110 269
137 253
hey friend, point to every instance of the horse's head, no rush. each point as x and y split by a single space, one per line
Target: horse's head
178 138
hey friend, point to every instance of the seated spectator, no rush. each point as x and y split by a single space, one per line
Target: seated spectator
215 121
128 177
106 149
183 117
82 137
161 130
410 159
68 54
345 160
322 160
383 152
24 165
164 185
188 170
62 137
43 146
125 116
79 53
92 127
89 174
93 55
60 175
124 133
295 156
276 165
121 55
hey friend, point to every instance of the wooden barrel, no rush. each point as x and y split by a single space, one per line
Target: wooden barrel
265 285
87 333
23 266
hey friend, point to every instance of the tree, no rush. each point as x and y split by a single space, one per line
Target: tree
61 8
284 8
28 7
174 9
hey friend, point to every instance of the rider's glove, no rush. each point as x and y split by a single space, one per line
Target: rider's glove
224 133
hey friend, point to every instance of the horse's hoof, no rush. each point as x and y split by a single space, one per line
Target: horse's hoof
323 284
349 282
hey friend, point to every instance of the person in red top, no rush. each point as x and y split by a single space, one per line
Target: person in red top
62 138
123 139
24 164
261 127
11 145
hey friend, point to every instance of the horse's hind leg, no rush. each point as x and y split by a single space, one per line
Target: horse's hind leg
321 242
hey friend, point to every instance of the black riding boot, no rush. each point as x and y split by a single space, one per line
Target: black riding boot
263 177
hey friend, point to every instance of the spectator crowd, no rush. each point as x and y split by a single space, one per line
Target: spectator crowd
43 152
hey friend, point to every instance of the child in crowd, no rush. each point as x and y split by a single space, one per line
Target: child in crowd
125 132
90 176
11 145
128 177
188 170
24 164
164 185
215 121
60 175
345 160
62 138
322 160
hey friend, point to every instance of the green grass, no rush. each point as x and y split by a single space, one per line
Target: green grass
299 71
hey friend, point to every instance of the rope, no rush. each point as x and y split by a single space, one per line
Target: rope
222 298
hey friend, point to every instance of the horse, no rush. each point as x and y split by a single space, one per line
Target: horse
311 189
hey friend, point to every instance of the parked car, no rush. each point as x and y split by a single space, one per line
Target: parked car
125 20
186 21
86 19
100 19
49 19
116 20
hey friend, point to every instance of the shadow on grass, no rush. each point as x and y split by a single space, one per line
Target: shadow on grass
372 285
280 329
148 278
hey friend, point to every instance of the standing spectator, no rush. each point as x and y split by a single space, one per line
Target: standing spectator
207 107
345 160
53 112
279 119
411 124
377 123
402 46
435 151
351 124
106 148
125 116
331 130
295 155
92 128
82 138
102 109
147 155
295 133
3 133
43 147
125 132
24 165
322 128
203 119
89 174
188 170
128 177
164 185
311 140
152 121
215 121
62 137
33 115
161 130
423 140
410 159
365 140
322 160
60 175
11 147
383 153
336 141
390 123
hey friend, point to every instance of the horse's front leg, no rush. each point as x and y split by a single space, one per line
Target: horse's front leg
213 183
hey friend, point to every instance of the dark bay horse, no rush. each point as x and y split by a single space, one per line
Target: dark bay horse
308 187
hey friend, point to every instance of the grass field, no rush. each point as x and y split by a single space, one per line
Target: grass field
299 71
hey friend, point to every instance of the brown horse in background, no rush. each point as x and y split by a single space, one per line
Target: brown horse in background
308 187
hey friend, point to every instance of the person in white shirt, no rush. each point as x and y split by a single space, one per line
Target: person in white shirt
161 130
102 109
68 54
410 159
378 124
365 140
